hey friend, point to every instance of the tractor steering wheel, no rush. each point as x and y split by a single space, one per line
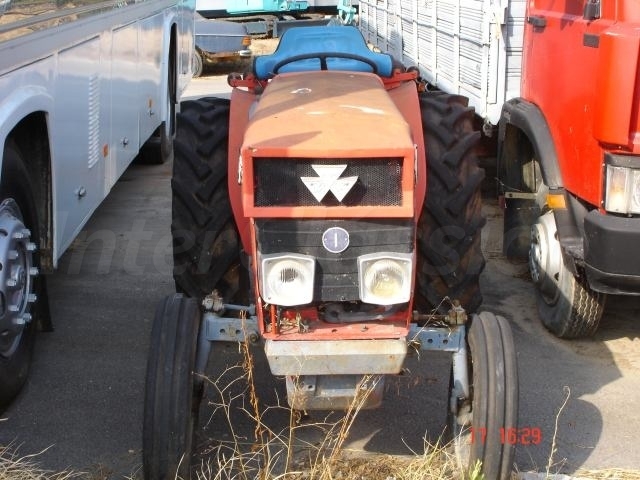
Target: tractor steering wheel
323 60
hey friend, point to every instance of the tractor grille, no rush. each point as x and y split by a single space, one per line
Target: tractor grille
278 182
336 273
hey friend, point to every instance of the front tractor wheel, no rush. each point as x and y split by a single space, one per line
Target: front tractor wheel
172 393
483 425
449 256
206 248
567 306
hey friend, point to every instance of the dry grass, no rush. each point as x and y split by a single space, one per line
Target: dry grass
284 455
15 467
275 455
608 474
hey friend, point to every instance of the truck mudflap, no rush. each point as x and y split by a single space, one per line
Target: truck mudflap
611 261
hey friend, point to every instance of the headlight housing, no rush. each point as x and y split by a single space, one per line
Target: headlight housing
622 190
287 279
385 278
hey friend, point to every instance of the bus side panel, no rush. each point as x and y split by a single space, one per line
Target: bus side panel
100 80
124 96
185 44
77 134
151 81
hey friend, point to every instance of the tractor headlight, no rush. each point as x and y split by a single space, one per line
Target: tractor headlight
622 194
385 278
287 279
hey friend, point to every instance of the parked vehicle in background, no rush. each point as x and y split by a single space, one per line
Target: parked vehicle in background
559 81
218 41
83 87
263 18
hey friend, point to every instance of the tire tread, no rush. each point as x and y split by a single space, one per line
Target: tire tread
449 256
205 239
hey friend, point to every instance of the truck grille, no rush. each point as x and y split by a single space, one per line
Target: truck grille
278 182
336 273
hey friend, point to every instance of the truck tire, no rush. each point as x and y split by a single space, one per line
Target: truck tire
20 288
519 215
158 149
171 401
198 63
206 245
448 238
482 434
567 306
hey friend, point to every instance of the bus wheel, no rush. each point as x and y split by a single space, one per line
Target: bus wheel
18 285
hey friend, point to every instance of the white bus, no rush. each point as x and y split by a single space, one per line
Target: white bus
84 86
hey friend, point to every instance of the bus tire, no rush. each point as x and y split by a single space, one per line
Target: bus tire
19 284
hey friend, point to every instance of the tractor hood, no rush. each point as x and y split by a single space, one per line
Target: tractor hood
327 114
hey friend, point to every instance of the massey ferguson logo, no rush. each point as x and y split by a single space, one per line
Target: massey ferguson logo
328 180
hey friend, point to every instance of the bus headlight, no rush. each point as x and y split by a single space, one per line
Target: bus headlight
287 279
622 194
385 278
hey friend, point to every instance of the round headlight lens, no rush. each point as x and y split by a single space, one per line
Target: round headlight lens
288 280
384 279
287 277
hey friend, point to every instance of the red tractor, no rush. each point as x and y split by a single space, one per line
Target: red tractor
329 211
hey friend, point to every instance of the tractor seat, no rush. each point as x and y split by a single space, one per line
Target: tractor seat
305 49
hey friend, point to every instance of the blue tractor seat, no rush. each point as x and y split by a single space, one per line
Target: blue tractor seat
304 49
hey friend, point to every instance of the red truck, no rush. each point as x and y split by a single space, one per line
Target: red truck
556 85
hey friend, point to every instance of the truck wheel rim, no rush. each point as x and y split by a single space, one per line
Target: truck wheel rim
16 276
545 257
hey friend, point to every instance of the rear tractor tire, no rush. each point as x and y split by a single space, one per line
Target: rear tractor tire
482 427
206 246
449 256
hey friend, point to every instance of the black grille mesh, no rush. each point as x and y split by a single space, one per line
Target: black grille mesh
277 182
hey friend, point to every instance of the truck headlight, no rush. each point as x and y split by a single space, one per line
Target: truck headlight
622 194
385 278
287 279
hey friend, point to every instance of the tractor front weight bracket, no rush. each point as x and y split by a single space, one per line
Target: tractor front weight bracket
449 336
216 328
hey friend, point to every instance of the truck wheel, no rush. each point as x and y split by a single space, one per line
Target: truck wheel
485 433
519 215
19 287
449 256
158 149
197 67
206 245
567 306
171 401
